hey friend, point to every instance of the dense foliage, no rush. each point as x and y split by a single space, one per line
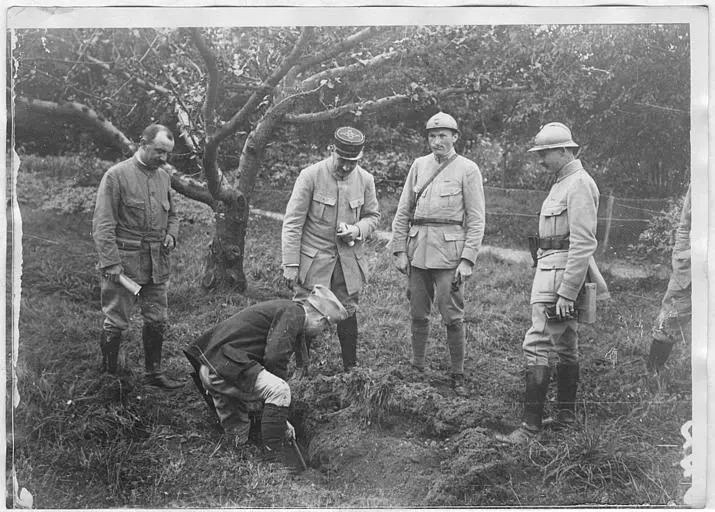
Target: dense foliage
623 88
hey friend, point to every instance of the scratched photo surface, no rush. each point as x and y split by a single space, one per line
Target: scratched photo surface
497 203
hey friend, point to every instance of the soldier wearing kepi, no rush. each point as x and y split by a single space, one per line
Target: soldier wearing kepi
676 307
135 227
436 235
241 363
566 245
332 210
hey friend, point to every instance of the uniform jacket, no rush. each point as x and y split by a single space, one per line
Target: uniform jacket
264 335
569 211
455 194
319 203
132 215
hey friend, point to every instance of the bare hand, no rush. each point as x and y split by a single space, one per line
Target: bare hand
401 262
169 243
289 432
565 307
348 232
112 272
290 274
463 272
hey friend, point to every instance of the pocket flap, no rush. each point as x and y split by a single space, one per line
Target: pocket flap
553 210
324 198
133 203
309 251
450 190
357 202
453 237
413 231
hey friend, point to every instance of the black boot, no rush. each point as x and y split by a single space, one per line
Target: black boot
273 427
153 340
348 334
659 353
567 385
109 345
537 383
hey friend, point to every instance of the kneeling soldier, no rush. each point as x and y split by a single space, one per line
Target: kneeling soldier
241 364
564 262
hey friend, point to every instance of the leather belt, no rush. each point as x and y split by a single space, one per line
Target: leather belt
425 221
553 243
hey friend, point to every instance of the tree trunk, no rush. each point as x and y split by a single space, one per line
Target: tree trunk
223 264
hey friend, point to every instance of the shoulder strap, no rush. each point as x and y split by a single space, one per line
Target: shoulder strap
430 180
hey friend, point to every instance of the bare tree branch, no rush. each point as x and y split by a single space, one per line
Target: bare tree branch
381 103
83 115
290 60
212 82
359 66
337 49
78 112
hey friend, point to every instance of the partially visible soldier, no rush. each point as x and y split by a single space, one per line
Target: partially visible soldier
241 363
332 210
436 235
676 308
135 228
566 245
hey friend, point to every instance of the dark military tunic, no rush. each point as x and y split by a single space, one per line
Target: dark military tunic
264 335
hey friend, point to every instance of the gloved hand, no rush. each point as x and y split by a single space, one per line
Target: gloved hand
463 272
348 233
169 243
290 431
290 274
401 262
112 272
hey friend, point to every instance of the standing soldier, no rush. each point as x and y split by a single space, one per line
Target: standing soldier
566 245
134 229
436 235
332 210
676 307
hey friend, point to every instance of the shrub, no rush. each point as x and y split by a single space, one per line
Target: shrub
657 240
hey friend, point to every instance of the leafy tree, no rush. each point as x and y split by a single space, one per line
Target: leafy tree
219 88
231 93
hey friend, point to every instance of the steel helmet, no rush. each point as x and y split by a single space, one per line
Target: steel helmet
442 120
553 135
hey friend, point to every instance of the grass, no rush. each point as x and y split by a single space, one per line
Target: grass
86 440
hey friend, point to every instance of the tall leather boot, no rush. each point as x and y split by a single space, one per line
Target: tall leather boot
420 336
273 427
153 340
348 334
567 385
456 344
109 342
537 384
659 353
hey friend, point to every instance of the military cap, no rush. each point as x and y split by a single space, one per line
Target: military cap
325 301
349 142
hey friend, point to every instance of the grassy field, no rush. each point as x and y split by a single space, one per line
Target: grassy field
380 436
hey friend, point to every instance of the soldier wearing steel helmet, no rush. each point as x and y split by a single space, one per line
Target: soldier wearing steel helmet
332 210
436 235
566 245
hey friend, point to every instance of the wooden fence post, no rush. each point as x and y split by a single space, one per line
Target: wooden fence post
609 219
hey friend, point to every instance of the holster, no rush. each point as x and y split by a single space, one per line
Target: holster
534 248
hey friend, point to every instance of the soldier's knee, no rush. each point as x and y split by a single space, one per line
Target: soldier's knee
279 394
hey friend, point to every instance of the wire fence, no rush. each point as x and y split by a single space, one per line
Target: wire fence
513 214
